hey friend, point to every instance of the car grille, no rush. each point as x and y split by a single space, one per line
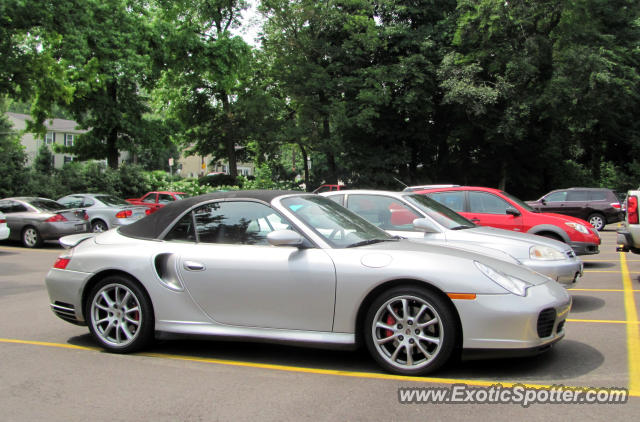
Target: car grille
546 320
65 311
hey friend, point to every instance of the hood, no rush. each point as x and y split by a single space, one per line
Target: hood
494 235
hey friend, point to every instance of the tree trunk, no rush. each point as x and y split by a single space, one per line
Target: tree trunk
305 159
112 138
229 138
331 158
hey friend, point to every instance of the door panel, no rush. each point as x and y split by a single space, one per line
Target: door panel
487 209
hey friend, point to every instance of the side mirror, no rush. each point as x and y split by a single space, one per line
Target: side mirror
513 211
543 201
425 225
284 238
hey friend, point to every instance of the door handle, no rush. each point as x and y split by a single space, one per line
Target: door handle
475 220
193 266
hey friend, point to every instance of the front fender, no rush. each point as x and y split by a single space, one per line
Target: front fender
550 228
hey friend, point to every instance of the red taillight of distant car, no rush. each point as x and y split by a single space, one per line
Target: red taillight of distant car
2 221
616 205
61 263
58 218
148 211
124 214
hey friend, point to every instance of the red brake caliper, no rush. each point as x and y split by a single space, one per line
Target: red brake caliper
390 321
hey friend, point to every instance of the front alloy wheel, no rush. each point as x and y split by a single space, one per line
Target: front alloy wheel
410 331
120 315
99 226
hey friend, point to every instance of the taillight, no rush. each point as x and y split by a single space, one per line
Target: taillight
632 210
148 211
85 216
124 214
2 221
616 205
61 263
56 219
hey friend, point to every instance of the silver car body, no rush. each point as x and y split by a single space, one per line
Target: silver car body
103 209
23 212
566 269
311 293
4 229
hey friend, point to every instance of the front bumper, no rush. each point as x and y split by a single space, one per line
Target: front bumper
566 272
507 321
585 248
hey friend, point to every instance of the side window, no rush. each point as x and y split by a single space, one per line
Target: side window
339 199
71 202
560 196
88 202
598 195
382 211
577 195
486 203
234 222
453 200
5 207
8 207
164 198
150 198
183 230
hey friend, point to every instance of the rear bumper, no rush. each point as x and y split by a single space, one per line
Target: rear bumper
54 231
625 241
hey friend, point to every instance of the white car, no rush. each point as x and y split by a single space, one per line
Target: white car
4 229
395 212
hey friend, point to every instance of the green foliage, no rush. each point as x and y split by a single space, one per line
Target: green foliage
43 163
12 171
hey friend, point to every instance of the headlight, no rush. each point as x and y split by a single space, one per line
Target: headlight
511 284
545 253
578 227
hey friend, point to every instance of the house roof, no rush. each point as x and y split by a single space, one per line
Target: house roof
54 125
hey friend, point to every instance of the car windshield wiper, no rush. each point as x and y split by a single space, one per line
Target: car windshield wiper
462 227
372 241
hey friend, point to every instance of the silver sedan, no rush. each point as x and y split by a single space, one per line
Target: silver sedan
395 212
285 266
105 211
34 220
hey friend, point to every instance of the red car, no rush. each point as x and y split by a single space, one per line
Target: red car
156 200
495 208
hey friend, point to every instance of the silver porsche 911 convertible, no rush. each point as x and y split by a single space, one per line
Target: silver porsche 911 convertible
287 266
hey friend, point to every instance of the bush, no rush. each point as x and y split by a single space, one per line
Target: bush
218 180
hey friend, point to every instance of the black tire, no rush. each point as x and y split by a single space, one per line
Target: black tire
597 220
119 315
99 226
31 237
410 337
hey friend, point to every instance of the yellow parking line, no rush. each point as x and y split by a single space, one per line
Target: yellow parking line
299 369
602 321
18 249
610 271
601 290
633 331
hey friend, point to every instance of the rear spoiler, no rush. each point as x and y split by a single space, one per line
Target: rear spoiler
74 240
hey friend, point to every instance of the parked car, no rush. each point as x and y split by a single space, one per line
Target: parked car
598 206
495 208
157 200
4 229
398 213
628 236
34 220
105 211
285 266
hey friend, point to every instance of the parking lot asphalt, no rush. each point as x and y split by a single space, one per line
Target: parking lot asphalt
53 370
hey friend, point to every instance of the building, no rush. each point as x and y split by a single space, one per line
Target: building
59 131
64 132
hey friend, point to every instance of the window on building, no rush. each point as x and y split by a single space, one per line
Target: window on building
69 139
67 159
50 138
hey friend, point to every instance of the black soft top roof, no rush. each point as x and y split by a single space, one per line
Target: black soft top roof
152 226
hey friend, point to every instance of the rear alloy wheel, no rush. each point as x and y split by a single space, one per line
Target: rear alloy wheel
31 237
99 226
410 331
597 221
120 315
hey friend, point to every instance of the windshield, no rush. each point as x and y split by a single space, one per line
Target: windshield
518 201
112 200
46 205
335 224
443 215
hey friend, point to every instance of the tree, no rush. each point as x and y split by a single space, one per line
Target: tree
12 171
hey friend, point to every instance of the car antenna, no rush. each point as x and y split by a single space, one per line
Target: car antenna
401 182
